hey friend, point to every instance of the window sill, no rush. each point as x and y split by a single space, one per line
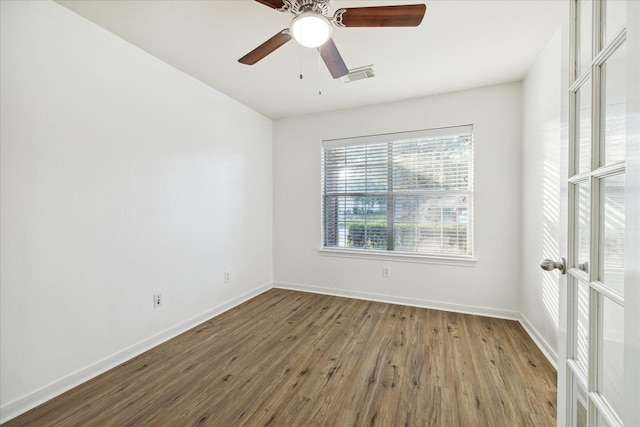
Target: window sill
399 256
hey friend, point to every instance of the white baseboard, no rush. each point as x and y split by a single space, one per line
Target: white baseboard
414 302
31 400
546 349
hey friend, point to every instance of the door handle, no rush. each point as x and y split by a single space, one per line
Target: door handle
584 266
550 265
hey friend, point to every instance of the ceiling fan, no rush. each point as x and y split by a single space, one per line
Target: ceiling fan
312 27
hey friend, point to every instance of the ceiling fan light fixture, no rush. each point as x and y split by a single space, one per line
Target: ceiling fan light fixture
311 29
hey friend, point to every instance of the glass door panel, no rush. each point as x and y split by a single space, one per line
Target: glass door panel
581 322
615 15
583 150
583 226
580 413
612 356
612 242
614 97
585 14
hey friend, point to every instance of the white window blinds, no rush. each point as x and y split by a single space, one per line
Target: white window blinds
409 192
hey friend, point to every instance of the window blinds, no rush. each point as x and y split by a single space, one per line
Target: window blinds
408 192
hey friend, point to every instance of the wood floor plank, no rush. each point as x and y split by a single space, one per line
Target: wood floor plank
290 358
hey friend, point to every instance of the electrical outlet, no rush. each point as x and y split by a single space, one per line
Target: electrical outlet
227 277
157 300
386 271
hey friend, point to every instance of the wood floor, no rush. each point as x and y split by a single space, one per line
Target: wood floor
289 358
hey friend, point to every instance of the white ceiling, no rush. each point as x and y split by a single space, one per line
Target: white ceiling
459 45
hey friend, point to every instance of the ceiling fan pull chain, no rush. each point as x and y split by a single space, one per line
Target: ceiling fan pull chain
318 75
300 57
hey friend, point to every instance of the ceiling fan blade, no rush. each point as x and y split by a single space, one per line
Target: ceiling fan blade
333 60
275 4
266 48
381 16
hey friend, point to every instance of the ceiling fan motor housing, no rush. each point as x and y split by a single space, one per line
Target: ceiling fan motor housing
299 6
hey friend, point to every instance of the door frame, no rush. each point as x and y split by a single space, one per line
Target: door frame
631 414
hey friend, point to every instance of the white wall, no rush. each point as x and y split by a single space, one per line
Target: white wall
541 192
489 286
121 177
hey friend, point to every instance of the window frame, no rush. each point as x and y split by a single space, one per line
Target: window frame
406 256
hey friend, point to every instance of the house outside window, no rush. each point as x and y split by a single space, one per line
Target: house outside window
404 193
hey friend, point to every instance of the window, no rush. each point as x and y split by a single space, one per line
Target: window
408 192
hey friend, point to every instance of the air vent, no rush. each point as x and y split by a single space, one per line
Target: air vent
359 74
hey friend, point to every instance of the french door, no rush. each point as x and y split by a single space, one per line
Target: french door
598 359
